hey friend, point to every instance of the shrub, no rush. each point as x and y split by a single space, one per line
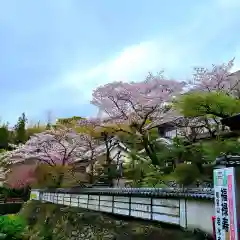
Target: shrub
186 174
13 226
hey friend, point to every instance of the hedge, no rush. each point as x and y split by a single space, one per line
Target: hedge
10 208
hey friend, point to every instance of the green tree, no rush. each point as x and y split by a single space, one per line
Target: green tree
35 129
203 111
20 130
215 104
68 121
213 149
186 174
4 137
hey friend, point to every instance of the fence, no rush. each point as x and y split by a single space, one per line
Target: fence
11 200
10 205
191 208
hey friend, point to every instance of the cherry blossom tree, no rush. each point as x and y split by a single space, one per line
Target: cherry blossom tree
59 146
136 101
93 148
53 147
102 131
137 104
23 177
218 78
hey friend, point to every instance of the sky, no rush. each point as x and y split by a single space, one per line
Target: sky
54 53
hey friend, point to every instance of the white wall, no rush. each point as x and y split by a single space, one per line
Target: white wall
199 214
189 214
123 156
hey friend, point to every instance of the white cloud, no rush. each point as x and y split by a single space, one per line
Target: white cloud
132 64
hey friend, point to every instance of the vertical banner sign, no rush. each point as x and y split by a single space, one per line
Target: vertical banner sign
225 204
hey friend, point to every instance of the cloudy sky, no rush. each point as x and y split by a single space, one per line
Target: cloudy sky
53 53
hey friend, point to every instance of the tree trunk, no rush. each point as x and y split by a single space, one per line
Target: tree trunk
60 180
91 180
149 151
108 158
200 167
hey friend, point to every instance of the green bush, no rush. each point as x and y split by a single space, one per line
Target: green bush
13 226
186 174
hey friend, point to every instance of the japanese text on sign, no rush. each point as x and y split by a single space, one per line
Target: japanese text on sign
225 204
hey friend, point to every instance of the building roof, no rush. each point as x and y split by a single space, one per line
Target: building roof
235 74
168 117
199 193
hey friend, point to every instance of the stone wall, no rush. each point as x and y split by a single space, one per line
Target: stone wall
56 222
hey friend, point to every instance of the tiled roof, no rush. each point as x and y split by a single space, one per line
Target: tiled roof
228 161
200 193
170 116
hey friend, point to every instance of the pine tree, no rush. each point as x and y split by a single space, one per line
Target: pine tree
48 126
4 136
20 130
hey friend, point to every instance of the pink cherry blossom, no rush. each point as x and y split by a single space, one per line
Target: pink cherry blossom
217 78
61 146
55 147
21 177
136 101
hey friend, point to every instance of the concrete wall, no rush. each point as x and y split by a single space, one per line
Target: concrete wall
187 213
